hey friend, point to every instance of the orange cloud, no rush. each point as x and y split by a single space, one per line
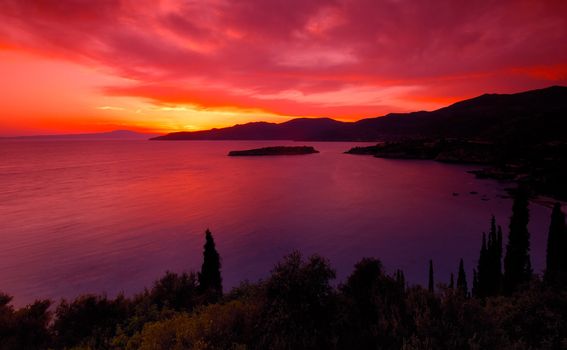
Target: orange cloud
227 61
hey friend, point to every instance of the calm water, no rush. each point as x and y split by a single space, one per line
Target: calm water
113 216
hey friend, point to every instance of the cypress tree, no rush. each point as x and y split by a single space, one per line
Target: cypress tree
488 272
517 265
493 227
462 279
430 286
401 280
562 278
482 271
493 275
499 258
475 283
210 280
555 270
488 279
497 264
493 250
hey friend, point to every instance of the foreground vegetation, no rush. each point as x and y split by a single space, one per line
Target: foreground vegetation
297 307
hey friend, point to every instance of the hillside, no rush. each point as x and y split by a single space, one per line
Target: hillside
535 116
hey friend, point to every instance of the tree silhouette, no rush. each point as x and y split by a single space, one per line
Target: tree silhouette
462 279
474 290
482 271
298 299
430 286
497 261
488 279
401 279
210 280
374 298
177 292
452 282
517 265
556 243
494 259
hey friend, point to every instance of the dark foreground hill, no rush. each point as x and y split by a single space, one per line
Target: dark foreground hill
531 116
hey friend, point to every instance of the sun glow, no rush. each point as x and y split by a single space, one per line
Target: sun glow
169 66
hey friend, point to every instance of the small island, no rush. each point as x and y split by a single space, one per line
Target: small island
275 151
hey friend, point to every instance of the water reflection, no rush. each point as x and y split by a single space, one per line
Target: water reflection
114 215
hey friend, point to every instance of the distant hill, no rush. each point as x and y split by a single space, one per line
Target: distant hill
295 129
111 135
531 116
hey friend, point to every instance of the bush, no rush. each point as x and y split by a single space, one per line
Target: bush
26 328
89 321
217 326
373 308
299 305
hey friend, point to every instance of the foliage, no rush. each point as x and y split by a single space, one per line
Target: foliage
210 280
88 321
216 326
556 262
373 312
488 281
462 280
25 328
297 307
535 318
178 292
517 264
431 283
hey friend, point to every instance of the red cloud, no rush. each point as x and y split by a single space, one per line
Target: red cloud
240 52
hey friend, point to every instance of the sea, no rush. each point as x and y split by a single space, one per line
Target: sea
111 217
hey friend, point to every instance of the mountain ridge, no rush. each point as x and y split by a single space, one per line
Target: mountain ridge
538 115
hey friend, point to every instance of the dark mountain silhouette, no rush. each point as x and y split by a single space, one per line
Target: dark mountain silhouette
536 115
111 135
295 129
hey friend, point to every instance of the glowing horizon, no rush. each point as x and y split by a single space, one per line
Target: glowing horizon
162 66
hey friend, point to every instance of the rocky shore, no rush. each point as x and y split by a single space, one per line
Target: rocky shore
542 167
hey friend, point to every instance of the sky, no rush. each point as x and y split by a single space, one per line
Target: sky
71 66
